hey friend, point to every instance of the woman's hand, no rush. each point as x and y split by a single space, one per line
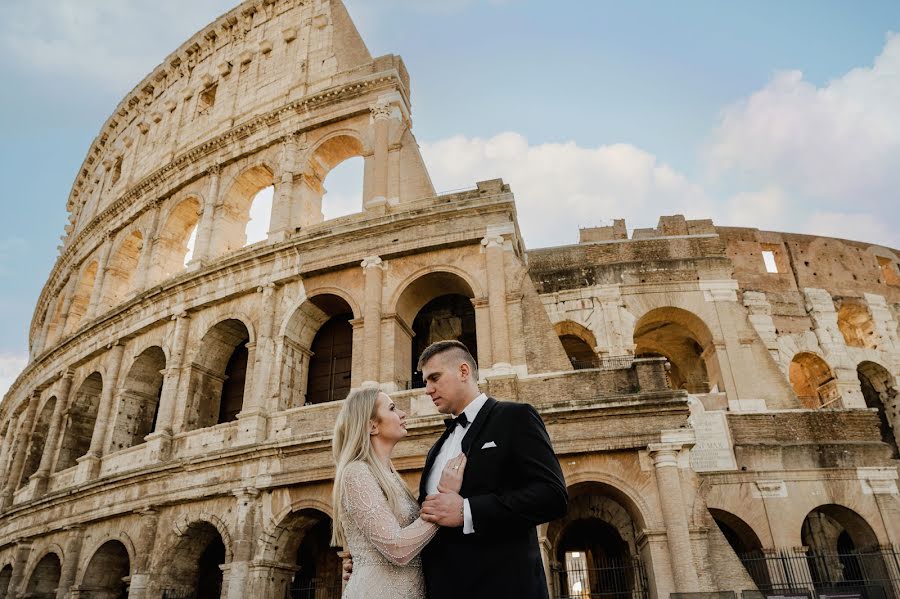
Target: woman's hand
452 476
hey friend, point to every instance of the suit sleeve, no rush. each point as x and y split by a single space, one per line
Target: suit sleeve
538 491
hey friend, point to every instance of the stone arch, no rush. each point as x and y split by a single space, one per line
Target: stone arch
193 560
79 426
856 324
106 573
218 375
332 149
43 580
745 543
812 380
435 306
317 351
578 342
302 538
5 578
123 265
684 339
38 440
396 306
138 399
171 246
234 213
880 392
81 297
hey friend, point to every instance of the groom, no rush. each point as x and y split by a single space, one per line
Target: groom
487 546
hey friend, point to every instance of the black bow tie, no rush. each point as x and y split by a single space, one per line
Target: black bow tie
462 420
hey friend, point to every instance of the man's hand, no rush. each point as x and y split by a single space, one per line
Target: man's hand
444 509
346 564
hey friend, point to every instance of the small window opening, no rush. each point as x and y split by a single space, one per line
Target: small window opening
207 99
769 260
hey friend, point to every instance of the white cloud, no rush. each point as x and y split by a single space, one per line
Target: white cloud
10 367
562 186
838 144
855 226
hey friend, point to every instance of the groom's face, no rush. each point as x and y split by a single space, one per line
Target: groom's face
445 383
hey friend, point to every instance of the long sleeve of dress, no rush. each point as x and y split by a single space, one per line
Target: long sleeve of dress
365 503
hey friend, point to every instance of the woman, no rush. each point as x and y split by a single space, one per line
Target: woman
376 516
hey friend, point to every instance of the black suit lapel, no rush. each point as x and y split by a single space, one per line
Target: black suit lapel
476 426
429 462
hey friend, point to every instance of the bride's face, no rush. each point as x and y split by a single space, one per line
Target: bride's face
390 421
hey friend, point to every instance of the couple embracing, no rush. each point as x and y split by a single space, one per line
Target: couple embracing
490 479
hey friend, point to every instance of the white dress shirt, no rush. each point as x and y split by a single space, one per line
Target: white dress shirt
451 448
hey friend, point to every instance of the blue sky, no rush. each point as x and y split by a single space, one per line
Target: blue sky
781 115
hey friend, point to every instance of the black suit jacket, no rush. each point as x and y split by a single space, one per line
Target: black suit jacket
511 489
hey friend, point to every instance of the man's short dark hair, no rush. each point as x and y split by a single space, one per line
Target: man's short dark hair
458 348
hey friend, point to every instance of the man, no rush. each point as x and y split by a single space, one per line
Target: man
487 546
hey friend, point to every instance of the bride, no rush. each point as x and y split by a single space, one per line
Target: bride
376 517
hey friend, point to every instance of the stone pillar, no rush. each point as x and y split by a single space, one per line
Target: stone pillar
143 552
23 551
269 579
307 208
654 552
160 439
72 556
281 220
495 273
203 244
60 410
374 273
380 122
5 449
483 330
668 480
18 462
145 259
252 418
60 330
97 291
242 553
89 464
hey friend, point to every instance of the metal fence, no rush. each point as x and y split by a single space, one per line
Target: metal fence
311 589
614 579
873 574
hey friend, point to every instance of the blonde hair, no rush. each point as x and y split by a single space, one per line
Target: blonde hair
352 443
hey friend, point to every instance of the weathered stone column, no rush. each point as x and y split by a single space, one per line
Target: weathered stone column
60 410
254 412
72 556
143 553
308 206
89 464
374 272
97 291
160 439
23 434
483 330
69 292
281 221
242 552
380 121
23 551
203 244
496 278
665 459
145 259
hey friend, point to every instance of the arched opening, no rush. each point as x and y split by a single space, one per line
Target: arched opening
174 242
879 392
686 342
343 189
37 444
435 307
233 218
5 577
812 380
579 344
76 440
257 228
138 403
218 376
843 550
81 297
193 567
44 580
746 545
123 264
305 542
594 547
856 325
107 574
318 352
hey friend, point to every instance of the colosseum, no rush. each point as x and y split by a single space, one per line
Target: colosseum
723 400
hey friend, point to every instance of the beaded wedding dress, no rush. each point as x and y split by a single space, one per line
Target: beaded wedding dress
385 547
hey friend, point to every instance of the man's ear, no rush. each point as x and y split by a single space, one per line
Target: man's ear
464 371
